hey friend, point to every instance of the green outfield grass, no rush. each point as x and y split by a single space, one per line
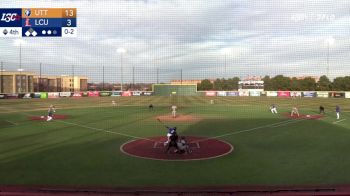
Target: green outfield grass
84 149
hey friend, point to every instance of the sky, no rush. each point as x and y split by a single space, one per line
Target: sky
190 39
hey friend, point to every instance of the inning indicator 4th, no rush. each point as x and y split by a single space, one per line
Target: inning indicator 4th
38 22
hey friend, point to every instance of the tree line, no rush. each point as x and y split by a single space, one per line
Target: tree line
281 82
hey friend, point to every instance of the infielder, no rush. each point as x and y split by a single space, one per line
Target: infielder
273 109
50 111
337 111
294 111
173 112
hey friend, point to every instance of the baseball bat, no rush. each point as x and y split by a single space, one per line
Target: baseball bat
162 123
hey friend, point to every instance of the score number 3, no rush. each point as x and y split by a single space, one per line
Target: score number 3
69 22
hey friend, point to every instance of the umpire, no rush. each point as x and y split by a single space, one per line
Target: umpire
322 110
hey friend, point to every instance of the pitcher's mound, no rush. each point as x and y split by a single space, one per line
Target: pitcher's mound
153 148
179 118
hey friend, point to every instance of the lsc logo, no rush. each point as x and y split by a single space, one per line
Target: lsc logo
10 17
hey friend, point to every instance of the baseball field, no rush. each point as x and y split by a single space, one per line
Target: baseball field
84 147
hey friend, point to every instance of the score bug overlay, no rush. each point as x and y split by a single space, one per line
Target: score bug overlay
38 22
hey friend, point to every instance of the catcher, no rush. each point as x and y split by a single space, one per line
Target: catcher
183 146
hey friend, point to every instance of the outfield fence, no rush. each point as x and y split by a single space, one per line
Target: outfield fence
172 92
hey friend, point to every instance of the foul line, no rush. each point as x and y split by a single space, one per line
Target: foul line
197 143
97 129
338 121
155 144
286 123
219 136
103 130
255 128
13 123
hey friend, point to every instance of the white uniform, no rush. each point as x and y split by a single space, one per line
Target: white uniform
173 112
50 111
294 111
273 109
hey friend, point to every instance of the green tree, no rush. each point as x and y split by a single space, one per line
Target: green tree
308 84
205 85
267 83
341 83
295 84
280 82
232 83
324 84
220 84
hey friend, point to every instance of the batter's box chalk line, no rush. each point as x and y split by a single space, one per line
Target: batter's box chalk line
191 144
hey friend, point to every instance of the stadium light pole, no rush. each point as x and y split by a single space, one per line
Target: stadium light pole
103 77
225 51
181 76
39 80
133 78
155 64
2 80
73 78
121 51
330 42
225 62
20 70
20 65
20 42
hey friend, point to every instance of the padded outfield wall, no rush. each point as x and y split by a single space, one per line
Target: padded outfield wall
176 89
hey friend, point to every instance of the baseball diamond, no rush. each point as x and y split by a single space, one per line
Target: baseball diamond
175 98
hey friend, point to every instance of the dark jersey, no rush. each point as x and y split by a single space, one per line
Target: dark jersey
173 142
172 130
174 138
